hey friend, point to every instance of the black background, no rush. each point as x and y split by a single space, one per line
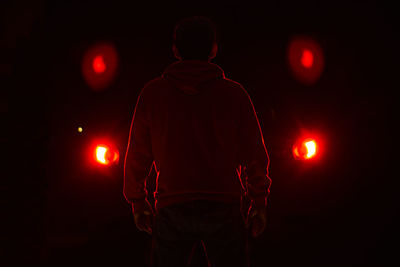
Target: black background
340 210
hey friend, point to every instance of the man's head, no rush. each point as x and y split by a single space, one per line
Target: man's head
195 38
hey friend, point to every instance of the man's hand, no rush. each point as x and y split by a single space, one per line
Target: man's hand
144 219
257 220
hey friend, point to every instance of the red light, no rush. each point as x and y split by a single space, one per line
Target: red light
98 64
105 155
305 149
101 152
311 149
307 58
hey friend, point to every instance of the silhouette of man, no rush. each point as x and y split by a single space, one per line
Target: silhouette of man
201 132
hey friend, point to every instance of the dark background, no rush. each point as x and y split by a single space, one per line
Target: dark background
341 210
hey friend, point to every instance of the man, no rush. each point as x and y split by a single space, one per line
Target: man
201 132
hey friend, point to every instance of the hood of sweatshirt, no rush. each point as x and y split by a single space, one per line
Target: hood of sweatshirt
189 75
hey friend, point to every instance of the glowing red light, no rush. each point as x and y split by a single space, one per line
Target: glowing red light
306 149
105 156
101 152
98 64
307 58
311 149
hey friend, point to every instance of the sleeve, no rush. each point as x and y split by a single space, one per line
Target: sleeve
138 158
253 154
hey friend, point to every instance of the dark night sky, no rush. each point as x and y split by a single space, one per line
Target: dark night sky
340 210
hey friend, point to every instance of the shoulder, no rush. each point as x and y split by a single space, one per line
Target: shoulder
153 85
236 88
152 88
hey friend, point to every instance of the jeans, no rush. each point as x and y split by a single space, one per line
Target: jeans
218 226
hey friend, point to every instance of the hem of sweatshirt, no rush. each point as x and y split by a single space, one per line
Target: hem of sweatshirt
162 202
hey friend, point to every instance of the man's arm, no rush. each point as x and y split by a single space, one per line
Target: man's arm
254 156
139 158
255 161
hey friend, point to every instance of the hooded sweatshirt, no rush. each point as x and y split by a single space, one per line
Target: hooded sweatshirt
201 132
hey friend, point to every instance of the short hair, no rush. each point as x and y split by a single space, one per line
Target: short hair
194 37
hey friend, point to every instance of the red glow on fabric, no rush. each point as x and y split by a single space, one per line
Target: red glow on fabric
305 59
99 66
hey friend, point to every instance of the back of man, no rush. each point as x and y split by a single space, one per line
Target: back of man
201 131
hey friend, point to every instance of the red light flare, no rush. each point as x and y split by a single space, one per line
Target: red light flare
99 66
105 155
306 149
305 59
